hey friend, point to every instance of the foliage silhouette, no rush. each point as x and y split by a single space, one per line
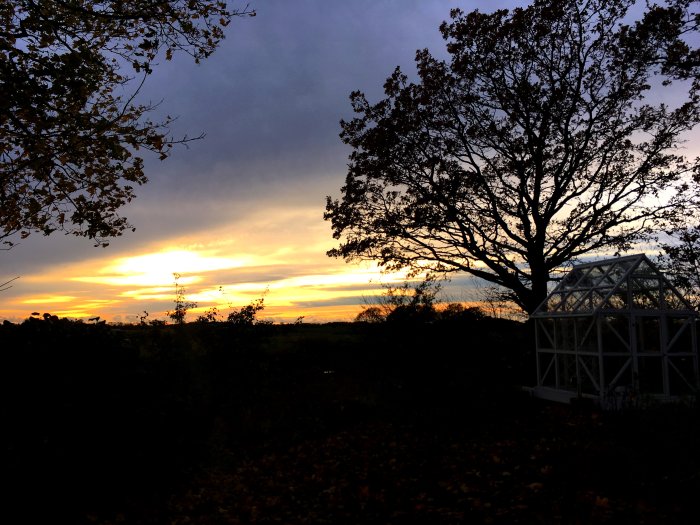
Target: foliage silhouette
457 312
416 304
210 316
247 315
681 263
94 415
404 303
206 423
371 314
539 142
70 129
182 305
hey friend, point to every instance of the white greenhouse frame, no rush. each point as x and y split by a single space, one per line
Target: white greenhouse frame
618 332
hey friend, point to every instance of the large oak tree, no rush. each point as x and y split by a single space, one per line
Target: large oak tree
540 141
70 129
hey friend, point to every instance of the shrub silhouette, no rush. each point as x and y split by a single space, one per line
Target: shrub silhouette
94 413
182 305
371 314
97 416
246 316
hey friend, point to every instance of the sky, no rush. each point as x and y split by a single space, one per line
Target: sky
239 213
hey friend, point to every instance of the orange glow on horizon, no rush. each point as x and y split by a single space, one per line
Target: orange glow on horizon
281 258
51 299
119 289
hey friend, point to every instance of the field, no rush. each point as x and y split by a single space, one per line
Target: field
335 423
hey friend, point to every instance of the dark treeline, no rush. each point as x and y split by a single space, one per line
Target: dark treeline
394 422
99 417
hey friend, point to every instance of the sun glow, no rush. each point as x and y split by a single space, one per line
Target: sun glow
51 299
282 260
158 269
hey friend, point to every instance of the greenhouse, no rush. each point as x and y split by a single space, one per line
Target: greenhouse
618 332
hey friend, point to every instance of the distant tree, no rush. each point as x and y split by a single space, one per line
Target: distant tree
142 317
70 129
182 305
495 301
536 144
457 312
406 302
413 304
370 314
247 315
680 262
210 316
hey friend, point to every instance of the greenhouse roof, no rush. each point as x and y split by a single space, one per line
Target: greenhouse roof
613 285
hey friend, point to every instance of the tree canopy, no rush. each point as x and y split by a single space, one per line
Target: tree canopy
70 128
680 261
540 141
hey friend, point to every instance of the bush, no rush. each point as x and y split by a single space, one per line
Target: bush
93 415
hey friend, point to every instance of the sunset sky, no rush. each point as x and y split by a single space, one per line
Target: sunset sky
240 212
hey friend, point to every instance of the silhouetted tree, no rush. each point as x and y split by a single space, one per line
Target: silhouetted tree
457 312
371 314
407 302
681 263
536 144
70 130
246 316
210 316
182 305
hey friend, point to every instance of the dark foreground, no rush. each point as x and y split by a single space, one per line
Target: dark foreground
329 424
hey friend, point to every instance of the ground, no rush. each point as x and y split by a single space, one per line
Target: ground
322 424
540 463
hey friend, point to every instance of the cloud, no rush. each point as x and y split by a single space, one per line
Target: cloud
241 208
